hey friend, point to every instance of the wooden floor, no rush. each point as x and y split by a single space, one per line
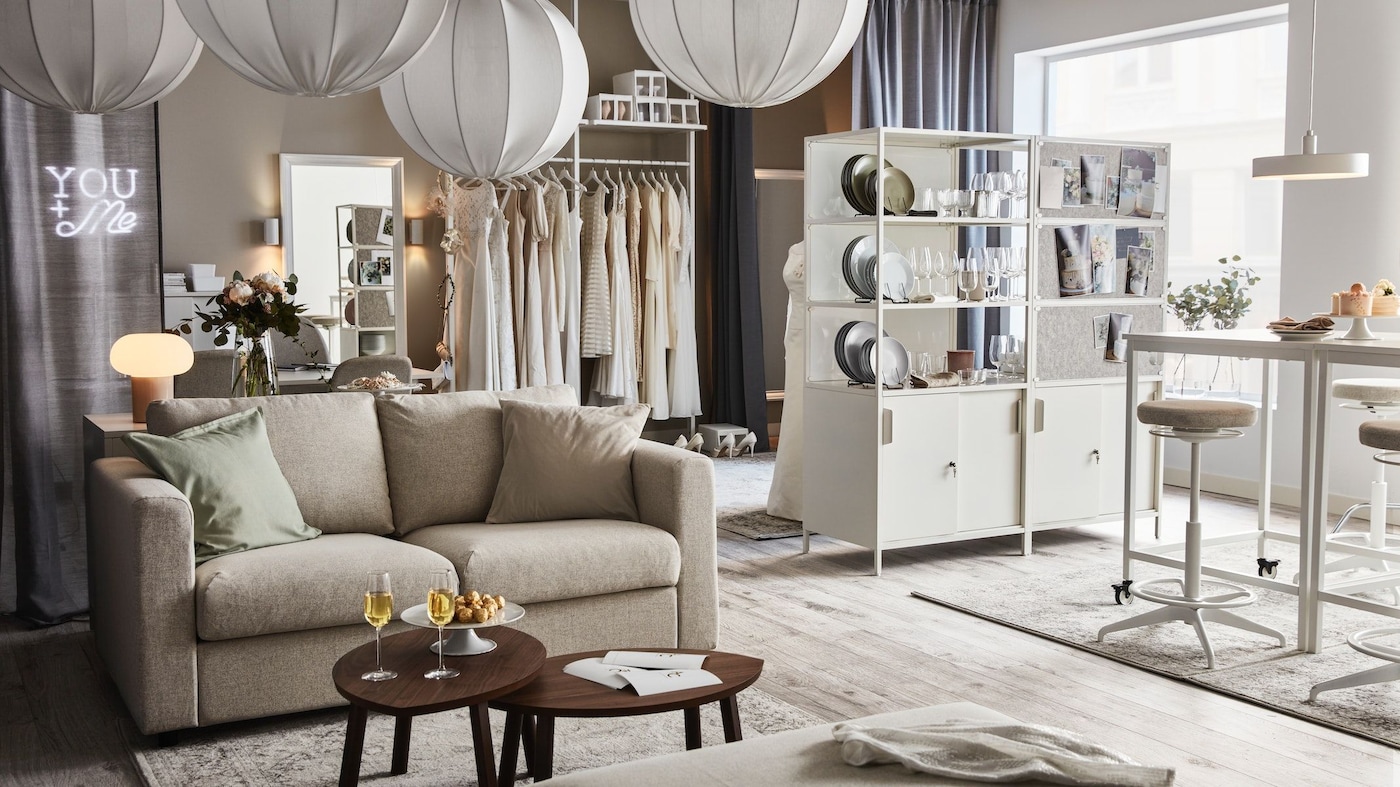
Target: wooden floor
839 643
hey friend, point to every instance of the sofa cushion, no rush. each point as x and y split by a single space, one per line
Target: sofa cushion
444 452
549 561
326 444
226 470
567 462
306 585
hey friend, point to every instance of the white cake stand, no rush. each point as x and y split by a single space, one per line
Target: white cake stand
1360 331
463 640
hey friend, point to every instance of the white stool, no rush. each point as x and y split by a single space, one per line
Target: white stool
1363 641
1380 397
1195 422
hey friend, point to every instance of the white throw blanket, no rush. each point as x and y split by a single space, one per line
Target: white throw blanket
993 752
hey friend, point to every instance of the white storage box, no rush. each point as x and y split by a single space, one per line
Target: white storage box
640 84
207 283
199 271
646 110
684 110
609 107
714 433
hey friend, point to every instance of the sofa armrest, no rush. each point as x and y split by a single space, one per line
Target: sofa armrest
675 491
141 586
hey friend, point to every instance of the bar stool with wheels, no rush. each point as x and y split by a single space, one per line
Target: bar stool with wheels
1381 398
1195 422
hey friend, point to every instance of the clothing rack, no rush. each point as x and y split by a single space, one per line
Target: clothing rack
618 162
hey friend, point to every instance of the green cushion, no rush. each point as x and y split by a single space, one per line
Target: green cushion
225 467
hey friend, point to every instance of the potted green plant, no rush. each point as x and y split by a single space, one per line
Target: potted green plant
1224 302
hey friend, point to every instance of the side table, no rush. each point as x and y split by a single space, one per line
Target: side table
531 711
515 662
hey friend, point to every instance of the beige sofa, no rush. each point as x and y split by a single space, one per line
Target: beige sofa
400 484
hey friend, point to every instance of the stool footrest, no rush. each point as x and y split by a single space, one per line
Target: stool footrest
1236 595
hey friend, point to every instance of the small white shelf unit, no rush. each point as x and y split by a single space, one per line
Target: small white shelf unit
896 468
346 339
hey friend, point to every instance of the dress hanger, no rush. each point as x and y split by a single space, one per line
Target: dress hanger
593 178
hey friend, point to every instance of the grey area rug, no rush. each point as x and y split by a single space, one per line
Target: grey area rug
305 749
741 498
1070 606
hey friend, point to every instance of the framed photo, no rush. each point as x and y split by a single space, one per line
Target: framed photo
385 227
378 270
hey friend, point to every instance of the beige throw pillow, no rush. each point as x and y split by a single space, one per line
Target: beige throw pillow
566 462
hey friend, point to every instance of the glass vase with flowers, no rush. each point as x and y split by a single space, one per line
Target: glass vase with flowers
249 310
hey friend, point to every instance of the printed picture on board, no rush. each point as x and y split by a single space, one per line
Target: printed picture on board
1092 179
1101 248
386 227
1072 259
1139 266
1110 197
1071 181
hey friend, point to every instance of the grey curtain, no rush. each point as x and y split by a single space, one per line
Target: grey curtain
741 392
932 64
79 267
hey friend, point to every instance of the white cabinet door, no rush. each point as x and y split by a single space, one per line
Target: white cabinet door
1111 451
989 459
919 488
1066 470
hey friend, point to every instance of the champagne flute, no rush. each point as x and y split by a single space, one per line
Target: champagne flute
442 596
379 608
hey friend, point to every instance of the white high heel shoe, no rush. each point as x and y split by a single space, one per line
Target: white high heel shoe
697 441
726 447
681 442
750 440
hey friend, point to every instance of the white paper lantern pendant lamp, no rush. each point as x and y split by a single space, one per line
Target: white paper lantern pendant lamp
1311 165
747 53
320 48
94 56
497 93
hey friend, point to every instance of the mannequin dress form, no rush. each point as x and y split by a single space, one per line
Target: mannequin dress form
785 495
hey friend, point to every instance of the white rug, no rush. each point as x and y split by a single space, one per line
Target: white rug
305 749
741 498
1070 606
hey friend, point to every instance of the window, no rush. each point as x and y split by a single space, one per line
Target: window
1218 98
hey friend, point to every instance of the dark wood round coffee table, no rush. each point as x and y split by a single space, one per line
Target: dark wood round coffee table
531 711
516 660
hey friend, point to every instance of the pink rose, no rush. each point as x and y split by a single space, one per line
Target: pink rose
238 293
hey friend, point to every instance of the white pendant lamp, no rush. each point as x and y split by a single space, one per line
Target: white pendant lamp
747 54
498 91
320 48
94 56
1311 165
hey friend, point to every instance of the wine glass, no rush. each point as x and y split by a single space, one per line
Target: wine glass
921 258
997 351
946 267
947 201
1020 187
969 278
379 608
442 597
965 200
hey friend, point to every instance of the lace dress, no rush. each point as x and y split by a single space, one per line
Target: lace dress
615 376
785 494
573 275
656 322
475 213
535 229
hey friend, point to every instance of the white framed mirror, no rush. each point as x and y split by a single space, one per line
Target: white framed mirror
343 235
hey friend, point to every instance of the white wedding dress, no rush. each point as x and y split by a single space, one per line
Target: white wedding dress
785 495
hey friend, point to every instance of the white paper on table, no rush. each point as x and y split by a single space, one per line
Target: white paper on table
613 677
1052 187
634 658
658 681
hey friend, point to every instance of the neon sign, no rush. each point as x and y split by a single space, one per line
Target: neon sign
105 208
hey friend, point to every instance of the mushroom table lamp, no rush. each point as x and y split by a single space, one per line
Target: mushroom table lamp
151 360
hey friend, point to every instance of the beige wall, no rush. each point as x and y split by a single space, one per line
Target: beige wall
220 137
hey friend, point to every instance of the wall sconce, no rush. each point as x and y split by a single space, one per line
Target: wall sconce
415 232
272 232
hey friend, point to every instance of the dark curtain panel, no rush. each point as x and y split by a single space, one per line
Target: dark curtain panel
932 64
79 267
741 394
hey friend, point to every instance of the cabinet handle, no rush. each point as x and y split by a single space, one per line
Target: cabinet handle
887 427
1096 456
1039 415
954 467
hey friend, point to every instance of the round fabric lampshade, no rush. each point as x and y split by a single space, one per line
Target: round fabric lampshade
315 47
747 54
151 355
497 92
94 56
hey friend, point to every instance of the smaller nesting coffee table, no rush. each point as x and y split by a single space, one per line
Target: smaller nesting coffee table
531 711
516 660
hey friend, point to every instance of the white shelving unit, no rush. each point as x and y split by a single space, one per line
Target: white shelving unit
895 468
352 250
